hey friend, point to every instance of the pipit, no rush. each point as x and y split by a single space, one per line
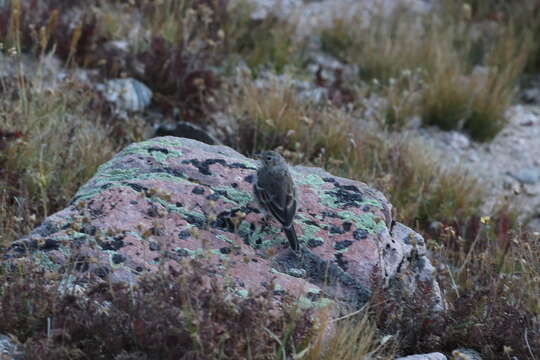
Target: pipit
275 192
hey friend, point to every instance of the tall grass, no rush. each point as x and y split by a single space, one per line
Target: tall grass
62 138
470 69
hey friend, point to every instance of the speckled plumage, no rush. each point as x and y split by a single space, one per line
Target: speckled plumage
275 192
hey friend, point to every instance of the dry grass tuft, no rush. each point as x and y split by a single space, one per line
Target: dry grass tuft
166 316
490 279
62 137
470 69
349 338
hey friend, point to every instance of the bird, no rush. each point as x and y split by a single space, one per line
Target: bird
275 192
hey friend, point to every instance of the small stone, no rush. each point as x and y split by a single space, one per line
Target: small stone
299 273
127 94
430 356
529 176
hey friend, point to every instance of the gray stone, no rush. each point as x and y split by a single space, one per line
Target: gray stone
430 356
9 350
127 94
529 176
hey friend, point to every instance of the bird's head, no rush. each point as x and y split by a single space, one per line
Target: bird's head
270 158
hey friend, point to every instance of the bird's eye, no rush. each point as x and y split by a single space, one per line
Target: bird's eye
268 158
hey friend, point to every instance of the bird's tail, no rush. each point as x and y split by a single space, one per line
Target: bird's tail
291 236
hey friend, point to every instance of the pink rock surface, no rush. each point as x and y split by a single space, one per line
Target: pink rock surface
161 201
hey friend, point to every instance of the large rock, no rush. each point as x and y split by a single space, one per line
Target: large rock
167 199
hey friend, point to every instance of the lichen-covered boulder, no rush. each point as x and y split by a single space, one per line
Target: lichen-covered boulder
161 201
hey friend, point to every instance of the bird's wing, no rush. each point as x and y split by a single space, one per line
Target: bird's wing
279 198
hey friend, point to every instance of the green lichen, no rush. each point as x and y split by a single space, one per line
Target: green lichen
200 217
305 303
312 180
144 148
45 261
169 140
365 221
242 293
380 227
371 202
248 164
308 230
224 238
235 196
258 235
191 253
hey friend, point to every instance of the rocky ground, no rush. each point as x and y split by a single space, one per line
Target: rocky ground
508 166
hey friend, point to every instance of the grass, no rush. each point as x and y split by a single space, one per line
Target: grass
62 138
469 71
263 44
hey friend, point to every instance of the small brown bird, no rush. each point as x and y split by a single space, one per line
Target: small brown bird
275 192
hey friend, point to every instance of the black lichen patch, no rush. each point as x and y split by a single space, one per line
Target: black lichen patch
204 166
113 245
225 250
347 226
234 185
152 211
237 165
154 246
46 229
329 214
106 186
21 247
360 234
313 243
194 220
213 197
340 245
250 179
102 272
156 149
341 262
330 180
311 222
224 221
198 190
118 259
49 245
345 198
334 229
136 187
184 234
182 252
170 171
351 188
